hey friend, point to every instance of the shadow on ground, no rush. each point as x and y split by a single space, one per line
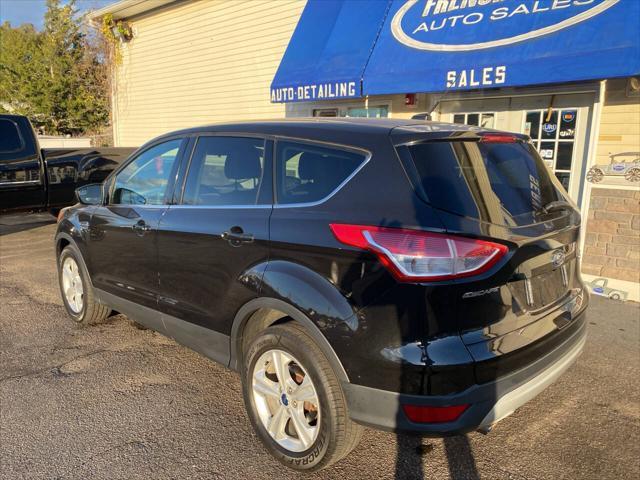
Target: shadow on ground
19 223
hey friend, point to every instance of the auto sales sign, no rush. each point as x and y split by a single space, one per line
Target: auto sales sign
451 25
438 45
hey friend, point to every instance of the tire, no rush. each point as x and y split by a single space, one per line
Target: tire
614 296
83 308
336 434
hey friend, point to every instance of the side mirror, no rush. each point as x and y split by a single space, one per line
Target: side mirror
125 196
90 194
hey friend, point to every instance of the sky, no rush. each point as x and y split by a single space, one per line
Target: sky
18 12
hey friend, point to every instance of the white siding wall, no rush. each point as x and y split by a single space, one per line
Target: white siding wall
201 62
620 122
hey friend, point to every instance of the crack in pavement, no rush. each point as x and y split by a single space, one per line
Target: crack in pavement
52 369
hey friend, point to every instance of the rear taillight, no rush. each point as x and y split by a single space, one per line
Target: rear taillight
414 255
428 414
498 138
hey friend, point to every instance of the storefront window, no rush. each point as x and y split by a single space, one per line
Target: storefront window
325 112
381 111
553 134
371 112
484 120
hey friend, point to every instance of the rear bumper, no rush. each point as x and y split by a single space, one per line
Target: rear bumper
489 402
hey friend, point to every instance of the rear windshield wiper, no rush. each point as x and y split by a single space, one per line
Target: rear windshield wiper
555 206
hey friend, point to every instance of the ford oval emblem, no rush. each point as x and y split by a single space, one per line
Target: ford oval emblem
557 258
443 26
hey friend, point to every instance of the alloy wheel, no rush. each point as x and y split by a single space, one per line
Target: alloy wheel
72 285
286 400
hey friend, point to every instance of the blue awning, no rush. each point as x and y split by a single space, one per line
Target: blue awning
328 51
353 48
433 46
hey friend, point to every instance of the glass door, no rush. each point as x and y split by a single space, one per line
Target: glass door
553 132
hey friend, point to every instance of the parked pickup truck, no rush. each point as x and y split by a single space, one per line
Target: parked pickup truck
45 179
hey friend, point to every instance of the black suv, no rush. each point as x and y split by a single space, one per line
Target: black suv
406 275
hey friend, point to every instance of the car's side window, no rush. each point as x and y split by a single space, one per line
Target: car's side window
225 171
144 181
308 173
10 138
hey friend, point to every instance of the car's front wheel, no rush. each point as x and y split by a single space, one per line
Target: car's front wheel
295 401
76 290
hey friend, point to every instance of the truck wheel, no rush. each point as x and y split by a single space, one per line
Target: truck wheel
294 400
76 290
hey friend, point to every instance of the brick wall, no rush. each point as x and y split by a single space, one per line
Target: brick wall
612 241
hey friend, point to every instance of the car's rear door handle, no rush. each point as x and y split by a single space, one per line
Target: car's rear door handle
141 227
236 237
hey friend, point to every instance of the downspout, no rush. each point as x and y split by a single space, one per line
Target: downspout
114 107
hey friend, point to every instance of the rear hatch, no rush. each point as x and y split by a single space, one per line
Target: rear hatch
496 187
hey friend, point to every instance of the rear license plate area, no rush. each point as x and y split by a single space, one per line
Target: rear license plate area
543 289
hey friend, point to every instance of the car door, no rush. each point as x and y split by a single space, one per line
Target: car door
213 246
122 242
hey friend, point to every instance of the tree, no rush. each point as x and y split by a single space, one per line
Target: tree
57 77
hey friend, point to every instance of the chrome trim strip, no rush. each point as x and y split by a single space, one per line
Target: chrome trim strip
219 207
275 137
528 290
20 182
339 146
129 205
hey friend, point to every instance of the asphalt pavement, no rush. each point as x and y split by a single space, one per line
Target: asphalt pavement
112 401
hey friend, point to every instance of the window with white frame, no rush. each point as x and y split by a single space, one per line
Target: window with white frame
484 120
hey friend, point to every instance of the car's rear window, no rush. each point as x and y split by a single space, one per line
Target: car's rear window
503 183
10 140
